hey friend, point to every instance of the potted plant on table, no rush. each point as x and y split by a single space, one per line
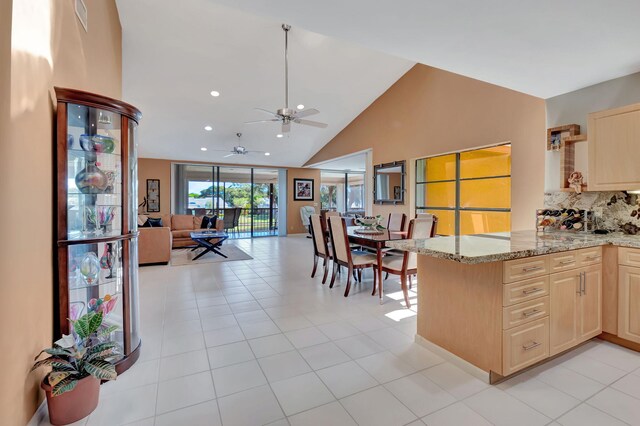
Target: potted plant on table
79 362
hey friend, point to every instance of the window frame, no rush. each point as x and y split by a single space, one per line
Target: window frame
457 209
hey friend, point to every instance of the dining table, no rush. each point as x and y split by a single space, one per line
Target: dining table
377 242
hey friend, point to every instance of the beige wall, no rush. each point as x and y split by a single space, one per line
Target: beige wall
430 111
294 221
58 52
152 168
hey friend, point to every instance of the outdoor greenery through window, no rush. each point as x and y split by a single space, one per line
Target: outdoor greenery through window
469 191
342 191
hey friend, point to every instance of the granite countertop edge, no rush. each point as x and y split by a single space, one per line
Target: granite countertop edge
598 240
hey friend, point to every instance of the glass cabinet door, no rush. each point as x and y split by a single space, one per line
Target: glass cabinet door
94 187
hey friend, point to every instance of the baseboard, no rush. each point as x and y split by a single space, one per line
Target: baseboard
40 415
454 359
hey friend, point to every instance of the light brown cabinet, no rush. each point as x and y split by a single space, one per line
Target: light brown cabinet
575 307
629 303
614 137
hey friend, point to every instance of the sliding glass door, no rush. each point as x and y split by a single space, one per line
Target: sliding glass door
245 198
342 191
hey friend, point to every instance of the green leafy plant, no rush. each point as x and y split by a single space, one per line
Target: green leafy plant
86 352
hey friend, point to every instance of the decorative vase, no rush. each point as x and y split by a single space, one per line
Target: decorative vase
73 405
91 180
90 268
70 141
97 143
106 261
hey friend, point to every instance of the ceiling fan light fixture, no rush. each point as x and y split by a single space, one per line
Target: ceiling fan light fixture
208 128
215 93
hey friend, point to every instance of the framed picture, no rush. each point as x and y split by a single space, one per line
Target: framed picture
397 192
153 195
303 189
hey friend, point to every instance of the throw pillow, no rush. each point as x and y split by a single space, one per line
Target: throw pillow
142 219
154 222
207 219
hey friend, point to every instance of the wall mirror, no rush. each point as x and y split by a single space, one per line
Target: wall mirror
388 183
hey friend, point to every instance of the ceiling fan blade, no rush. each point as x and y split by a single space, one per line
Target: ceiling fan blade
267 111
229 155
311 123
262 121
286 127
307 112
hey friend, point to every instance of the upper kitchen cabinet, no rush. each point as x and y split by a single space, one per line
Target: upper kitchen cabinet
614 149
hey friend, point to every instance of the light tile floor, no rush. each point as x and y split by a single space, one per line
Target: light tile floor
259 342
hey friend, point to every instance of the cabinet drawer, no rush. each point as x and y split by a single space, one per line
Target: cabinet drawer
591 256
628 256
525 345
529 267
563 261
521 291
522 313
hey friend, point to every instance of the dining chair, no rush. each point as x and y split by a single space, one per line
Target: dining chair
328 214
407 265
433 218
320 246
343 256
396 222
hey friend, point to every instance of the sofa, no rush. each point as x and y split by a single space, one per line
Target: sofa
155 244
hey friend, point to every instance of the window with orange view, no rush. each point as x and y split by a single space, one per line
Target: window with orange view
469 191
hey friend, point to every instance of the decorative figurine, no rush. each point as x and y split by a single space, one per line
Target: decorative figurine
575 181
106 261
90 268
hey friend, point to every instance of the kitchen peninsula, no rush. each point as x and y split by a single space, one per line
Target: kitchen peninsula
506 301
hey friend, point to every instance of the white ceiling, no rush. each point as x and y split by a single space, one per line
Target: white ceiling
356 163
541 47
175 53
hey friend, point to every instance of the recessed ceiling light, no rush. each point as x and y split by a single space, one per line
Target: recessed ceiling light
204 148
215 93
279 135
300 106
267 153
208 128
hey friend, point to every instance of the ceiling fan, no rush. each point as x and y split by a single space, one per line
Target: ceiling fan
288 115
240 150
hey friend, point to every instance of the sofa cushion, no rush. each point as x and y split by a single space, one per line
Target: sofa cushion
182 233
182 221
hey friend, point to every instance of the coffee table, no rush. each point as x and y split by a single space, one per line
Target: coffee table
203 239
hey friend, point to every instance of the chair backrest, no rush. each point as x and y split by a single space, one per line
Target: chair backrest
319 235
339 240
236 216
418 229
228 217
396 222
432 218
329 214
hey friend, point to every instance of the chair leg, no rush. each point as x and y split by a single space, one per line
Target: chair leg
375 279
403 281
325 266
386 276
315 266
348 287
410 282
336 269
359 275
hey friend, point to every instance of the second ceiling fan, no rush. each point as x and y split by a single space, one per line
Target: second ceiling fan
288 115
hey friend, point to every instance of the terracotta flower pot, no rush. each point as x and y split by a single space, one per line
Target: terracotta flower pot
74 405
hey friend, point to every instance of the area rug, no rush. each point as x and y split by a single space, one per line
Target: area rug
182 257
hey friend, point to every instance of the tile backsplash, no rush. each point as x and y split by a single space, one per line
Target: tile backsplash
614 211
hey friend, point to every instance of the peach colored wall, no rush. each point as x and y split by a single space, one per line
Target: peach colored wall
430 111
294 221
150 168
59 53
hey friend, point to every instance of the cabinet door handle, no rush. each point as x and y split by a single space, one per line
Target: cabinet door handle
530 346
531 313
531 290
584 283
531 269
566 262
580 285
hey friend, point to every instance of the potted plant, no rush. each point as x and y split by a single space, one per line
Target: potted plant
79 362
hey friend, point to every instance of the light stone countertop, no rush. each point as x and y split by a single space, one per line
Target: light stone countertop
484 248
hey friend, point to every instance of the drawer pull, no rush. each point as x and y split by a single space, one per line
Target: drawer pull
593 257
532 268
531 290
531 313
567 262
531 346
